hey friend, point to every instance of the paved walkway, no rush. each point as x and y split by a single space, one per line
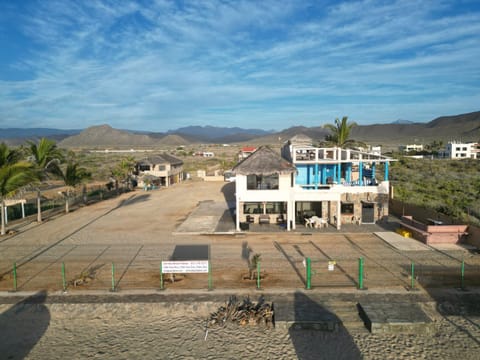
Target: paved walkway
402 243
205 219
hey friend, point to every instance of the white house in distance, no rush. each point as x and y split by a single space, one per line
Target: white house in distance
336 185
245 152
458 150
411 147
376 150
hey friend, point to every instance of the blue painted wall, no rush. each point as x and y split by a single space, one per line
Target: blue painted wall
306 174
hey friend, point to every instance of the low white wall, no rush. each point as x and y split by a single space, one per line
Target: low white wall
213 178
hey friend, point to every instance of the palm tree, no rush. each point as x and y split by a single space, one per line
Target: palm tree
340 132
123 170
72 176
47 158
14 174
45 155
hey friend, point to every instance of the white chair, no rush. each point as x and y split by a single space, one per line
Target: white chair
323 222
308 223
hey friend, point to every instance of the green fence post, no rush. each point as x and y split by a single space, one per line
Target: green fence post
210 280
412 276
113 276
14 276
308 265
360 273
64 281
258 274
161 276
462 272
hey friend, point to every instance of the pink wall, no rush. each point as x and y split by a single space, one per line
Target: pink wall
435 234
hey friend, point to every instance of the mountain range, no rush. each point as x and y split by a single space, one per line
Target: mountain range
463 127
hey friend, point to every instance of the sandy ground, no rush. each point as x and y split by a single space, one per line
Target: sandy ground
138 230
153 331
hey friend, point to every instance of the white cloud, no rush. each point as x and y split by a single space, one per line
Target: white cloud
257 64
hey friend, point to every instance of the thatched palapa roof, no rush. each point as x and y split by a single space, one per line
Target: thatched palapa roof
264 161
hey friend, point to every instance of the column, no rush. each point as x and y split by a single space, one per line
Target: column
339 173
385 177
360 173
316 176
339 215
288 216
237 215
293 216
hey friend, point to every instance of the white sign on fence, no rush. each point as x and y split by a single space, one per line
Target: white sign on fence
331 265
178 267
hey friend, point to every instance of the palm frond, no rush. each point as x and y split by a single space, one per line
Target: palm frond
15 176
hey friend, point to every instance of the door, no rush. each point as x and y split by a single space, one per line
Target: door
368 213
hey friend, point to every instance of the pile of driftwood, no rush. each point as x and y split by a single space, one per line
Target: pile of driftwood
243 312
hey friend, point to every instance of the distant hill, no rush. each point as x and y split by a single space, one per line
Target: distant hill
402 122
14 133
18 136
173 140
463 127
214 134
106 136
315 133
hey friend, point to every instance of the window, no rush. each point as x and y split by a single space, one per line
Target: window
253 208
262 182
275 207
161 167
347 208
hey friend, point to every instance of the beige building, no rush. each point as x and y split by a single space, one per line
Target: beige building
159 170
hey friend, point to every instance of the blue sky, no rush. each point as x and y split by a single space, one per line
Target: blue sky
160 65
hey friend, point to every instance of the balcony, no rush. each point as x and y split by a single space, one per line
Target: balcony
379 187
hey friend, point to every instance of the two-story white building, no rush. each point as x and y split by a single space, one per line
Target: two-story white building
336 185
458 150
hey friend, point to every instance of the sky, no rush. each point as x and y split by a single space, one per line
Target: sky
161 65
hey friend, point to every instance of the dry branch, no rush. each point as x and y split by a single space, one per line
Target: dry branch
243 312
